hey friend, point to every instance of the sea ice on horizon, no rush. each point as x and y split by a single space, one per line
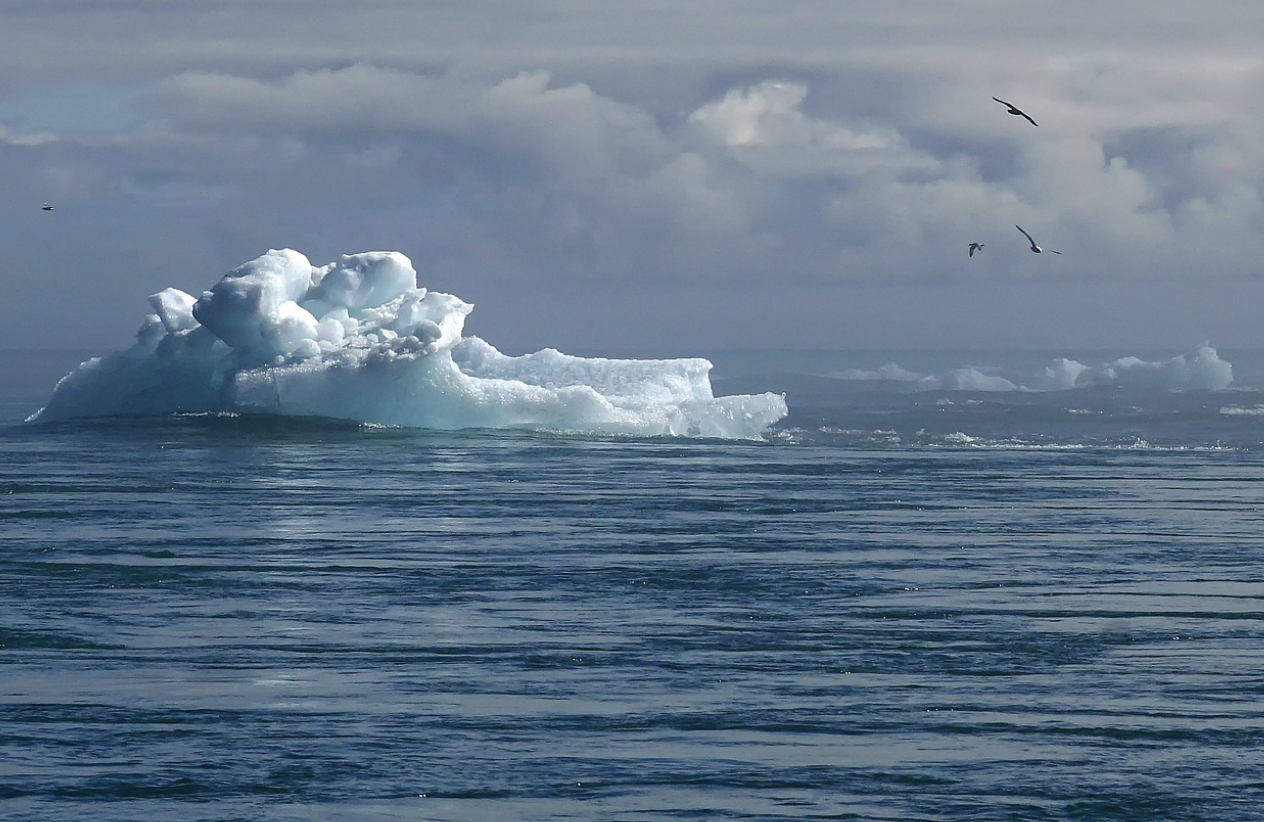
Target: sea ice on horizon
1201 368
359 340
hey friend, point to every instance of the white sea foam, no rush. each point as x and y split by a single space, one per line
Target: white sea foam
359 340
1201 368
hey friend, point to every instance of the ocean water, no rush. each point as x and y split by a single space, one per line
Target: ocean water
903 603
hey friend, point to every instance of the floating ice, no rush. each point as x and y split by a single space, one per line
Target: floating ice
966 379
1201 368
359 340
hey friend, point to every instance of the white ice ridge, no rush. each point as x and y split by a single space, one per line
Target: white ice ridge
1201 368
359 340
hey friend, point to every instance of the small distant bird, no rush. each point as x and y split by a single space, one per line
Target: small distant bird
1037 249
47 207
975 247
1015 110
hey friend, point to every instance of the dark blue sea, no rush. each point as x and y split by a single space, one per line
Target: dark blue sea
912 599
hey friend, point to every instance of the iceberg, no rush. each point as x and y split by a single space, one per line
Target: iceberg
1199 369
359 340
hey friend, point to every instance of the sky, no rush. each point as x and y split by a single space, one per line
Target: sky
651 176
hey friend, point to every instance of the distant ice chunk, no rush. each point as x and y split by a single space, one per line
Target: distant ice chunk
1199 369
966 379
889 372
359 340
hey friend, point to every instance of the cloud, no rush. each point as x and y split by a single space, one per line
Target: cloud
539 163
770 114
847 146
25 138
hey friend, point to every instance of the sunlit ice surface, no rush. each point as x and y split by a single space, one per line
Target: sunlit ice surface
359 340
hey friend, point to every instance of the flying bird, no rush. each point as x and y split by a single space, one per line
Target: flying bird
47 207
1037 249
1016 111
975 247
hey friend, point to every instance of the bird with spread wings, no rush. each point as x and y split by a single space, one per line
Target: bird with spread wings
1016 111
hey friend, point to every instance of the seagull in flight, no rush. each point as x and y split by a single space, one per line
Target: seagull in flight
47 207
975 247
1037 249
1016 111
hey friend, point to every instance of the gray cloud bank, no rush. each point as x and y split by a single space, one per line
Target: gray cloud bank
735 174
